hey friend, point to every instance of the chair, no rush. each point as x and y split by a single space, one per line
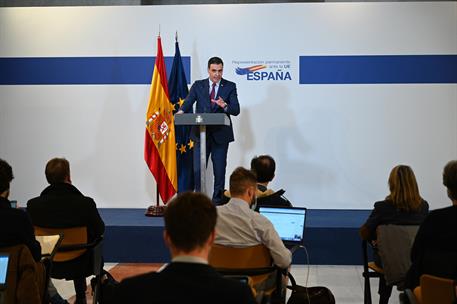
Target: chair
26 278
255 262
370 270
73 253
433 290
394 244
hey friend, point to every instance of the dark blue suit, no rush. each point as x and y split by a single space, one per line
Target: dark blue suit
218 137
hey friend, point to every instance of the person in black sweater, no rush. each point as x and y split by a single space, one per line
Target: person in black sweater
403 206
264 167
190 221
62 205
16 229
435 248
15 225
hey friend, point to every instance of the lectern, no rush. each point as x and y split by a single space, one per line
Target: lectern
202 120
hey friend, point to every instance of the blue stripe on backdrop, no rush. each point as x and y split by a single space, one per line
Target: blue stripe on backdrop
81 70
378 69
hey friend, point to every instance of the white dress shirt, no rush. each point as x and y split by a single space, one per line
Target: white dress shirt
239 226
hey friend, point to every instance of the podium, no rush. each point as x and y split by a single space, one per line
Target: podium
202 120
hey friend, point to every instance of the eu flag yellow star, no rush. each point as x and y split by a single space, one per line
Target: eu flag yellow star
182 149
180 101
190 144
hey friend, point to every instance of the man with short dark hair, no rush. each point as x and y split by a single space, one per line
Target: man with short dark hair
190 219
15 225
213 95
62 205
435 248
264 167
238 225
15 229
57 170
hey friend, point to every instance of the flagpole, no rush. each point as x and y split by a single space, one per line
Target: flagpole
156 210
157 143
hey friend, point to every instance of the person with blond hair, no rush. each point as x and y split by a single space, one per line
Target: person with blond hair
238 225
403 206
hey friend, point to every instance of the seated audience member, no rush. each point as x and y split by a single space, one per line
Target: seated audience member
16 229
435 248
62 205
15 225
238 225
264 167
190 221
403 205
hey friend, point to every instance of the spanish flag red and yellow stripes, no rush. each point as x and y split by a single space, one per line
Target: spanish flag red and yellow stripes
160 144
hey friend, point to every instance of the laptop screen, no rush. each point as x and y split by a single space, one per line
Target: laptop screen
3 269
289 222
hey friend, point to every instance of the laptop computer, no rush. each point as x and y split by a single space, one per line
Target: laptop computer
289 222
4 260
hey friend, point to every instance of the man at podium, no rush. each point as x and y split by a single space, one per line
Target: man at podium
213 95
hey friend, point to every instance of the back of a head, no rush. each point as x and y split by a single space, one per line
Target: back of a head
6 176
404 192
57 170
264 167
240 180
450 179
190 218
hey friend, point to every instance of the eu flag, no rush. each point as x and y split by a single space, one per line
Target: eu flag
177 88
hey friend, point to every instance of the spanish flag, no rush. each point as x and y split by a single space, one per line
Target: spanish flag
160 144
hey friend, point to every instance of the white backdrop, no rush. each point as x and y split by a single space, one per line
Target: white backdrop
334 144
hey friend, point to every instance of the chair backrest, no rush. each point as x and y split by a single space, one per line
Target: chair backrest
242 259
437 290
71 236
394 245
26 278
238 258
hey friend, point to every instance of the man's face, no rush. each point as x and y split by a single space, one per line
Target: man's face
215 72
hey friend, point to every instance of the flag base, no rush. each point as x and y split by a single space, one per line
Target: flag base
155 211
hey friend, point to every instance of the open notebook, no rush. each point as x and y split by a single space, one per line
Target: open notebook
49 244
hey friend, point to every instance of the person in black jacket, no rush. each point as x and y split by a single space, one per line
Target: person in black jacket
264 167
434 250
403 206
62 205
190 221
15 225
16 229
